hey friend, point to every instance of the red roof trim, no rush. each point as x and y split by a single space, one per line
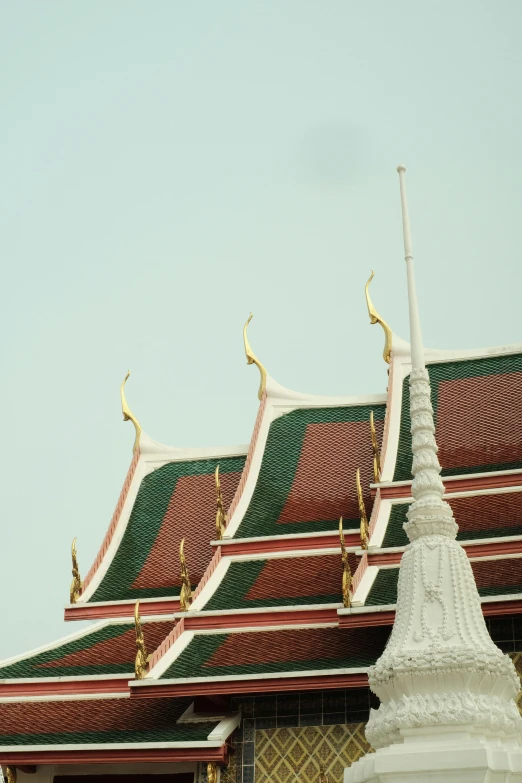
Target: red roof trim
328 540
114 610
465 484
487 549
250 454
261 685
134 754
249 619
387 617
114 521
64 687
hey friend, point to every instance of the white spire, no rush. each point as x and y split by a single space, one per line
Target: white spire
417 349
441 680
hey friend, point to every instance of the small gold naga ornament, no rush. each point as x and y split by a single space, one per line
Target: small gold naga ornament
375 318
221 517
347 573
212 775
252 359
128 414
364 527
10 774
375 449
76 584
140 664
185 596
323 777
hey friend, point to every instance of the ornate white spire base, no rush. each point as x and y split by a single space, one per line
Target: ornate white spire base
441 756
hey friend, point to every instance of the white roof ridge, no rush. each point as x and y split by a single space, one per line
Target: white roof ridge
151 447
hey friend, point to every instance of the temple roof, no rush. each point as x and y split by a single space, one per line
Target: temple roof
279 562
269 659
302 463
304 579
169 494
477 403
97 659
106 729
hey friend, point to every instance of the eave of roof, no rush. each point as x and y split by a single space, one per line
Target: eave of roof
67 666
56 738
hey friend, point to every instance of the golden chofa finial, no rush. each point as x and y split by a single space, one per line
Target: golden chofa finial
140 664
221 517
212 772
252 359
347 573
76 584
364 527
375 318
375 449
128 414
185 596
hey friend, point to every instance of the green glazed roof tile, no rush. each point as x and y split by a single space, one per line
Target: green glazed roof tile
279 465
451 371
144 525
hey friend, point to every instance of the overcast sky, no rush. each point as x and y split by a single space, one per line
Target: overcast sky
169 166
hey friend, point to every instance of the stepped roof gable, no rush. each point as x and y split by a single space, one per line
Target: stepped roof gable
168 494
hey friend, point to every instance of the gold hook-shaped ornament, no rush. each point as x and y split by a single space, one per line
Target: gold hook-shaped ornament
212 775
10 774
375 449
140 663
347 572
76 584
252 359
185 595
128 414
221 517
364 526
375 318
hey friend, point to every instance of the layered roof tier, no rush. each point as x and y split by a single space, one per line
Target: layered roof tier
99 659
169 494
267 611
103 730
274 586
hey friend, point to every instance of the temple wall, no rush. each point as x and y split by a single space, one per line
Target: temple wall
287 738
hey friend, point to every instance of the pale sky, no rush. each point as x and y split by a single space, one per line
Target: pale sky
169 166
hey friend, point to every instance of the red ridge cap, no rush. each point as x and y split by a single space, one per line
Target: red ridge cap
250 454
167 643
114 521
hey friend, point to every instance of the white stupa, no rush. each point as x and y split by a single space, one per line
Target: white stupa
447 693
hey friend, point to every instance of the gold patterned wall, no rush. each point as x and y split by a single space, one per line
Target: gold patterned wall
289 755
